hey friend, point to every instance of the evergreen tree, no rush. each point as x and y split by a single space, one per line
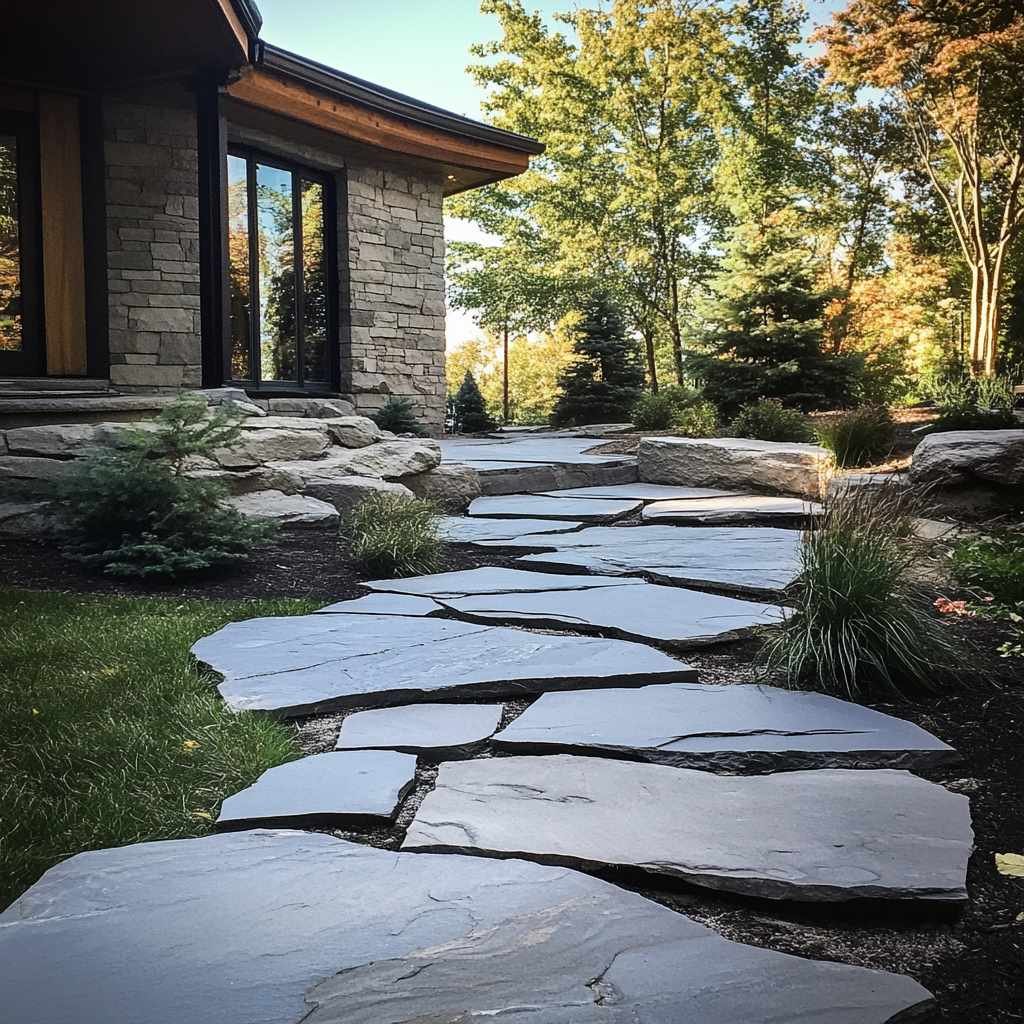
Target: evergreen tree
471 415
604 382
763 329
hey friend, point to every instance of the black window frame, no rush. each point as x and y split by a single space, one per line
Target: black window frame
30 359
300 173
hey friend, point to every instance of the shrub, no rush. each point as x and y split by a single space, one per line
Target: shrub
654 411
966 403
859 437
397 416
859 626
993 564
132 510
770 420
469 412
675 406
697 420
394 535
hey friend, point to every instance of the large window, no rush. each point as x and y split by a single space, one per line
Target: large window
21 349
279 277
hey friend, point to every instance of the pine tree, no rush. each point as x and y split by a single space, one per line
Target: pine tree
764 329
471 416
604 382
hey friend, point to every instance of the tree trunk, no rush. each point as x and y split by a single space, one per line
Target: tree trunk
504 378
677 337
652 368
986 289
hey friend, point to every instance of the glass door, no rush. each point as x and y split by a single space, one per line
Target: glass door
21 341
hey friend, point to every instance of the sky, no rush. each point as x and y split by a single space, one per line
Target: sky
419 47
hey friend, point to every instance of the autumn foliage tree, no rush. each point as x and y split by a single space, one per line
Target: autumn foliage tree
953 69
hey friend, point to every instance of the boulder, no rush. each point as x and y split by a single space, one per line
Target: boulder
966 456
285 509
450 485
320 408
26 518
393 460
894 483
57 440
326 480
736 463
31 475
352 431
264 444
245 481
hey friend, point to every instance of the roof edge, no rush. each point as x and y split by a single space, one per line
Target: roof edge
378 97
249 14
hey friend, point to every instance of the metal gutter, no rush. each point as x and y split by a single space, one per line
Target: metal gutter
377 97
249 14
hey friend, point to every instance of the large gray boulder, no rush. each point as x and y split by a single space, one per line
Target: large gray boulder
299 510
27 518
451 486
352 431
277 927
57 440
822 836
969 456
736 464
341 491
274 439
319 408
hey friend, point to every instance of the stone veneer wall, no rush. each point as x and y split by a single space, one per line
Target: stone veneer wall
153 240
396 291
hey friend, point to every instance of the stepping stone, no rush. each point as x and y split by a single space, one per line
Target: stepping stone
753 559
382 604
619 606
818 836
731 728
306 664
537 506
639 492
276 927
739 508
357 787
463 530
449 730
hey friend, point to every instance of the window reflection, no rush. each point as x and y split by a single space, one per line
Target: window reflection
314 282
238 268
10 248
278 347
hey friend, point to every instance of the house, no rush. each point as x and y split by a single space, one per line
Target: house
184 205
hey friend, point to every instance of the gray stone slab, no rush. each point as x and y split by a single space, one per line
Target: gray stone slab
274 927
354 787
463 530
754 559
305 664
617 606
537 506
740 508
722 728
536 449
451 730
639 492
827 835
382 604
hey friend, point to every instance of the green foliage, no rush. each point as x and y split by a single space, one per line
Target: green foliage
969 403
397 416
1013 617
603 384
697 420
133 510
469 409
676 407
770 420
393 535
111 734
859 627
763 329
993 564
859 437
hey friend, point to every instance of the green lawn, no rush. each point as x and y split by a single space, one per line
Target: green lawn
109 732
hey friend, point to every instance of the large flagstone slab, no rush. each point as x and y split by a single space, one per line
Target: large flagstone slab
724 728
620 606
345 788
452 730
754 559
825 835
538 506
277 927
464 530
305 664
639 492
740 508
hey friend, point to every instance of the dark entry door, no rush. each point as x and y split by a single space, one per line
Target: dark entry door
21 334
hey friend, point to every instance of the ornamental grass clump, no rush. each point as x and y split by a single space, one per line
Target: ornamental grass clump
859 437
133 509
859 626
392 535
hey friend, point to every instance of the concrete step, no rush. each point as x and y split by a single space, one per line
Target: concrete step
27 410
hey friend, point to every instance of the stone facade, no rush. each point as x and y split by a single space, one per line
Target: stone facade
396 291
153 241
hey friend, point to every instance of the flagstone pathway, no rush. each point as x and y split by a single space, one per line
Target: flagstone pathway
624 762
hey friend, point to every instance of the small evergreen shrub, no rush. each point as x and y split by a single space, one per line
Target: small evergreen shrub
397 416
770 420
993 564
654 411
859 437
676 408
394 535
966 403
697 420
859 626
469 411
132 510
